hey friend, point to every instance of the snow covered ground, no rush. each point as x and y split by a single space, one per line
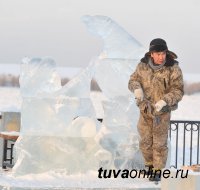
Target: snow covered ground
188 108
10 100
53 180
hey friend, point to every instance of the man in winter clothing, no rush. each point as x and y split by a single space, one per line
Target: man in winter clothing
157 84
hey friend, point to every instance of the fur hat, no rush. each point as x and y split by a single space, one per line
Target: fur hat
158 45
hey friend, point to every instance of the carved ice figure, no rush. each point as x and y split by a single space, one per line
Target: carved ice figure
121 52
59 126
58 131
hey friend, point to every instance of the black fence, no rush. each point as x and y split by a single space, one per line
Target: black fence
184 137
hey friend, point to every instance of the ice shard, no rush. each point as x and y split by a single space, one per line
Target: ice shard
118 44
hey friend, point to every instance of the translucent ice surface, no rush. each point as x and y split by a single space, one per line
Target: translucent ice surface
56 122
121 139
52 116
38 76
79 86
70 154
118 44
120 111
112 76
59 128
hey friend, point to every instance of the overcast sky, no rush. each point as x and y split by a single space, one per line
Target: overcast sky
53 28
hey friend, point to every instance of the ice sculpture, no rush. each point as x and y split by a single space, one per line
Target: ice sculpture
121 140
59 128
113 68
118 59
55 124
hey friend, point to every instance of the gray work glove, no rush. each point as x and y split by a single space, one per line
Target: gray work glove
139 95
159 105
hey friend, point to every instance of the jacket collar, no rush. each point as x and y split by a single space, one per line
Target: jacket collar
170 61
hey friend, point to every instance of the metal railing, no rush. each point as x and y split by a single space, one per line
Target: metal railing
185 142
184 137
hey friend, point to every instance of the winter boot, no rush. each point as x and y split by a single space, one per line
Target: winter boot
155 175
147 170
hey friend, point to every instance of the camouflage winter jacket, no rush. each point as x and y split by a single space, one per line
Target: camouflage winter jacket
165 84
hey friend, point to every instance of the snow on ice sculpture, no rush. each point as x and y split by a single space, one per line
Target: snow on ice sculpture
58 132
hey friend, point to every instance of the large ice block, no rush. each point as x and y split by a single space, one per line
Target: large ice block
76 151
118 59
58 126
121 138
59 129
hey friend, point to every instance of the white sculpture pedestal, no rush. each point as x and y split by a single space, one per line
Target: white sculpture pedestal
192 181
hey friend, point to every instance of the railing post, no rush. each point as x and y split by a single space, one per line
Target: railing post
198 144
